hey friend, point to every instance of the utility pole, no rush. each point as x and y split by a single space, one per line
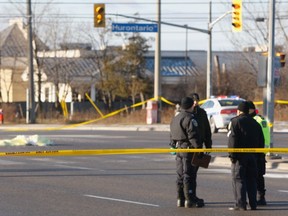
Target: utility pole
209 83
270 72
157 66
30 64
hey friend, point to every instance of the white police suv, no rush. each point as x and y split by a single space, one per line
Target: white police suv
220 110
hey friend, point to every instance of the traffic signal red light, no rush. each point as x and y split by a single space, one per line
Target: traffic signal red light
99 15
237 15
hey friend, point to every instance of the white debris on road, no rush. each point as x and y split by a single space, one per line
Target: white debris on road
22 140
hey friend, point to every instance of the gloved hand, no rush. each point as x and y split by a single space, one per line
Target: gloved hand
233 160
172 144
208 153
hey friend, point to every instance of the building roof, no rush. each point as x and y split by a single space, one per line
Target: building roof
173 63
174 66
13 42
70 69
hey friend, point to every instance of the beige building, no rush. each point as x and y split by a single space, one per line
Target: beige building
56 73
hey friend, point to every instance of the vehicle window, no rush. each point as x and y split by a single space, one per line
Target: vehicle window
204 105
211 104
230 102
208 104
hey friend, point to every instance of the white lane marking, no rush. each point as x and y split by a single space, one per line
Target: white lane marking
276 175
224 171
283 191
7 162
87 136
75 167
121 200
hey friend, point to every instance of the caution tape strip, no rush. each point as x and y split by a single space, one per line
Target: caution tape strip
138 151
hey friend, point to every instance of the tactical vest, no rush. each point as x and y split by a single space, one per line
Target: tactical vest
265 129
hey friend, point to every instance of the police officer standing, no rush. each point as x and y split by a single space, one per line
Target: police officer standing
244 132
261 161
184 134
203 123
205 135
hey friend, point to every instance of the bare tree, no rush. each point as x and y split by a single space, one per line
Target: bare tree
133 66
254 37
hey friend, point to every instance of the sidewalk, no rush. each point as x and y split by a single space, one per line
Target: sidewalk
277 164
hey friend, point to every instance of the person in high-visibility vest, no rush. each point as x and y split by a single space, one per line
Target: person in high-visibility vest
261 161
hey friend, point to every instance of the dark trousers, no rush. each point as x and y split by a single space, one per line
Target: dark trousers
244 178
186 173
261 166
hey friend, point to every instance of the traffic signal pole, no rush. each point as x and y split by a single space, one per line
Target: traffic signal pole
270 72
164 23
157 68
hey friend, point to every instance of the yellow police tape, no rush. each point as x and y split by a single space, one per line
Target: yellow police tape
115 113
138 151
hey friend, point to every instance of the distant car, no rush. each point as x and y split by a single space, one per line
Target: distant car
220 111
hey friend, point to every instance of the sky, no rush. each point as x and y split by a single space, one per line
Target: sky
194 13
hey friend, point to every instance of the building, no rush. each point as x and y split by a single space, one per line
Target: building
72 70
54 71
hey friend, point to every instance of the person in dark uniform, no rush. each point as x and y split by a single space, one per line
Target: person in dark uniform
244 132
184 134
205 135
203 123
261 161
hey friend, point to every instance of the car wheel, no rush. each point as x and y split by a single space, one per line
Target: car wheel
213 127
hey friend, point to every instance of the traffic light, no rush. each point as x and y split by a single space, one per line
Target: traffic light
282 59
99 16
237 15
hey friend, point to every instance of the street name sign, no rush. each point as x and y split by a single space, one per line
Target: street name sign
134 27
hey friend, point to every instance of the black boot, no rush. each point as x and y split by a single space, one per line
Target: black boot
261 201
190 199
180 196
199 201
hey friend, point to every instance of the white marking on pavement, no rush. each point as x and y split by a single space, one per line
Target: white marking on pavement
7 162
121 200
220 146
276 175
224 171
88 136
74 167
283 191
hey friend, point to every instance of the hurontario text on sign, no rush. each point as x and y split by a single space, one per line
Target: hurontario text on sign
134 27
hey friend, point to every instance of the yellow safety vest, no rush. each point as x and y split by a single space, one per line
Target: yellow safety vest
265 129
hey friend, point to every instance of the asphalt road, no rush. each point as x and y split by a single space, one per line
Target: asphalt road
117 184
